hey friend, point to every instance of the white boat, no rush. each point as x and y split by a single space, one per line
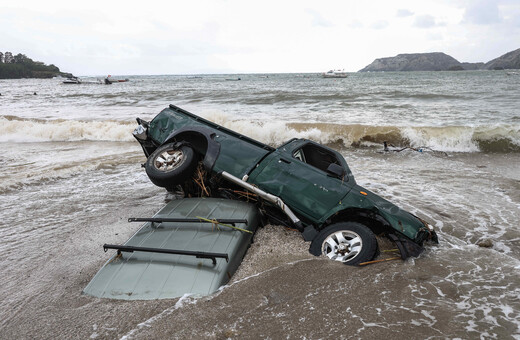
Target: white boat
72 80
76 80
335 74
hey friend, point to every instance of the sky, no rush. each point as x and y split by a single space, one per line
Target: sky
239 36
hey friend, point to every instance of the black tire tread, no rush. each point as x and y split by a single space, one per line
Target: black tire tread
174 177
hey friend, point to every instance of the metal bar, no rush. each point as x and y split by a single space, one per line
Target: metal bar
197 254
185 220
267 196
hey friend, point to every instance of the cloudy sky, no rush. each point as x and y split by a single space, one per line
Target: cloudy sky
240 36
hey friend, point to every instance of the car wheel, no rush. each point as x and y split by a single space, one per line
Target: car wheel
349 242
170 165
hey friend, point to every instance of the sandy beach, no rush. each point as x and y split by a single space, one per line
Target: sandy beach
280 291
72 177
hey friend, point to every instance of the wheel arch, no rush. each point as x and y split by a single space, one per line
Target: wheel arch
375 222
201 140
379 225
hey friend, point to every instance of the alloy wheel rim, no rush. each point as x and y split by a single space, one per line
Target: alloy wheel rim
343 245
169 160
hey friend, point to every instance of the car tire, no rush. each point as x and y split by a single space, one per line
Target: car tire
351 243
170 165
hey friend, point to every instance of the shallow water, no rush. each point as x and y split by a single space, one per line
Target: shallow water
72 177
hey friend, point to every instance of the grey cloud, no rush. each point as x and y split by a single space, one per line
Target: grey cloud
318 19
379 25
514 21
424 21
356 24
401 13
483 12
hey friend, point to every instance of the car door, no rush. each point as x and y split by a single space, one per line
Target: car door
298 176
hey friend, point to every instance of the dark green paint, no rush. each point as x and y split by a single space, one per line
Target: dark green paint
313 194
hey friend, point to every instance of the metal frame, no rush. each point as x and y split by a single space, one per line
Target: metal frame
197 254
186 220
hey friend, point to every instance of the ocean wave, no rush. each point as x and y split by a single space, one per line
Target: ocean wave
504 138
37 167
15 129
499 138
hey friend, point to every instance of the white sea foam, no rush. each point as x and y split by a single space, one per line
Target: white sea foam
464 138
275 132
456 139
19 131
501 138
185 299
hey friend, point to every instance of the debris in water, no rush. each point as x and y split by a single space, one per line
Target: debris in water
485 243
420 149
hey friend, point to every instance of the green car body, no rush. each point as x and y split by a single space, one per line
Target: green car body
314 181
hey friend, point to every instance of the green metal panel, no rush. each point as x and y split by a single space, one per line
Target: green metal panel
306 189
399 219
238 153
236 156
146 276
165 122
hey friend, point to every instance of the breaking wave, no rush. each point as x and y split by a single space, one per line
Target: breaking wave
15 129
499 138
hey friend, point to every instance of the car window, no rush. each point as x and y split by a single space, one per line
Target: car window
298 154
316 156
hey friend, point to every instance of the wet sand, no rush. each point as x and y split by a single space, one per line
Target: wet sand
53 248
280 291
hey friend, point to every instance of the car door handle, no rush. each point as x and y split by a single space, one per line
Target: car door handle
285 160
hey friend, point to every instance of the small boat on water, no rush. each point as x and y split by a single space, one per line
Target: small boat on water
335 74
72 80
76 80
109 80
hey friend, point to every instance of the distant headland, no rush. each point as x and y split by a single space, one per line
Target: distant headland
439 61
20 66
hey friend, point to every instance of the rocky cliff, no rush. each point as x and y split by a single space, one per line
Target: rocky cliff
507 61
439 61
413 62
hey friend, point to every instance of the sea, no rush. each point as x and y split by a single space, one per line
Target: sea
71 177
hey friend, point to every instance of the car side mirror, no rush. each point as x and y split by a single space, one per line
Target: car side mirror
335 170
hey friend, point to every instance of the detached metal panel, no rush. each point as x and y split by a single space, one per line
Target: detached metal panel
148 275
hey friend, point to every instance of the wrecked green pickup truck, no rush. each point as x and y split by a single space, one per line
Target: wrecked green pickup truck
301 184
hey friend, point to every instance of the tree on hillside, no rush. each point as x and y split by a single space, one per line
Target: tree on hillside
20 58
8 57
21 66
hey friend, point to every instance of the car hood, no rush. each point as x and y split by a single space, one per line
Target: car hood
399 219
